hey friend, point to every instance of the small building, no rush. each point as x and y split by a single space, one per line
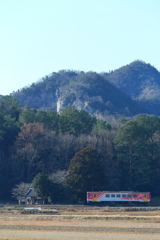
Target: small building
30 198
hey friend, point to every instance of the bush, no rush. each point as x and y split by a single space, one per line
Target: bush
155 201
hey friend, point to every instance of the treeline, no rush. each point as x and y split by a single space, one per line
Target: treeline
75 149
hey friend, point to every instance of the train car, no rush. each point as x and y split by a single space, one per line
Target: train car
122 196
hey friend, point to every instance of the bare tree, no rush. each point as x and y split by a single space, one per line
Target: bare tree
102 141
23 161
20 189
59 177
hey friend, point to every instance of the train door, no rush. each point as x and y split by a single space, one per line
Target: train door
145 198
94 197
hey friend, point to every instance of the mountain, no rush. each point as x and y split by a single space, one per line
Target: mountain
141 82
129 90
88 91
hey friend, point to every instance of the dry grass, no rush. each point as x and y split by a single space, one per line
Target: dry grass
81 216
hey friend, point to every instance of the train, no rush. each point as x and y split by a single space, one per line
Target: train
119 197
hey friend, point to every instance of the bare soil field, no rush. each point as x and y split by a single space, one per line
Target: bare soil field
79 222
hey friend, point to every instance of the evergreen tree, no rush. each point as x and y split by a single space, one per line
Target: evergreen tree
76 122
10 106
42 185
101 125
85 173
137 145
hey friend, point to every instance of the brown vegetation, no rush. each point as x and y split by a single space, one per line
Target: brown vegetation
80 222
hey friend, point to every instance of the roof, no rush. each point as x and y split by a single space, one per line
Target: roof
30 193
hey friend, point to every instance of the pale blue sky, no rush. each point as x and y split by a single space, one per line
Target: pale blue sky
39 37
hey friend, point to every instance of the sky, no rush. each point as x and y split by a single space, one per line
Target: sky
39 37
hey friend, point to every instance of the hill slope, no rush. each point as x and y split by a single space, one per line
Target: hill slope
129 90
141 82
89 91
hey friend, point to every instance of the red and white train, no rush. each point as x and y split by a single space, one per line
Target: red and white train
123 196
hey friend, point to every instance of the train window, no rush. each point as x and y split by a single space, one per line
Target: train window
135 195
112 195
129 195
118 195
123 195
107 195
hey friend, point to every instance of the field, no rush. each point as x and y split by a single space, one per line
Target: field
67 222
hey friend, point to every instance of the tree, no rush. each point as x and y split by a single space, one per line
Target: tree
85 173
59 177
42 185
101 125
10 106
8 132
20 189
23 163
76 122
29 132
137 146
48 118
27 115
58 180
4 193
9 114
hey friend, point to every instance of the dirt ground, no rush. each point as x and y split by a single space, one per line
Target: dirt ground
73 223
63 235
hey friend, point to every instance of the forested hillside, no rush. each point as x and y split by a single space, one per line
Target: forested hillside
85 91
141 82
129 90
69 148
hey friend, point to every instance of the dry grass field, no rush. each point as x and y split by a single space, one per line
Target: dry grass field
80 222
